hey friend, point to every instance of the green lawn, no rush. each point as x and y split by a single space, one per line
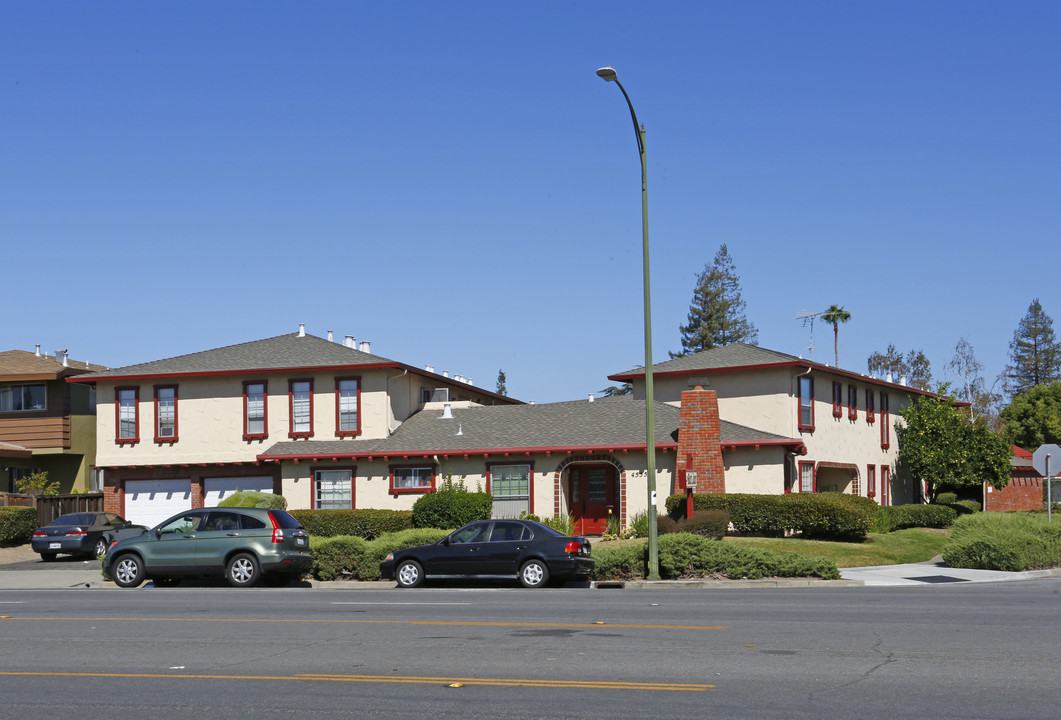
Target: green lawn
902 546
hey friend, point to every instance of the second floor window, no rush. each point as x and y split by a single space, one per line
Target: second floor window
254 411
20 398
838 399
165 413
806 404
885 431
347 399
127 414
301 395
852 402
869 407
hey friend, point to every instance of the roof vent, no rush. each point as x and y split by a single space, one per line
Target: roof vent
330 338
350 342
302 329
460 429
429 368
591 397
902 380
888 377
60 357
366 346
447 412
38 349
445 373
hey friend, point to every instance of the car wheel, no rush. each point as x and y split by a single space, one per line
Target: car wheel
409 574
48 557
101 548
166 581
128 571
242 570
534 573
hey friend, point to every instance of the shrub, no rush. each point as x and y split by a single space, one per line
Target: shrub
824 516
17 525
37 483
367 524
666 524
254 499
619 560
686 555
1003 541
708 523
965 507
946 498
898 517
451 506
354 558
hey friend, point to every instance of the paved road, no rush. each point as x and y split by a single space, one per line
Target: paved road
983 650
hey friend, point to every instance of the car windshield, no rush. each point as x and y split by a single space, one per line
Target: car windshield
75 519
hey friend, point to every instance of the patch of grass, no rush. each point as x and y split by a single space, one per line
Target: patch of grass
903 546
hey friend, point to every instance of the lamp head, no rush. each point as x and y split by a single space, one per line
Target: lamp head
607 74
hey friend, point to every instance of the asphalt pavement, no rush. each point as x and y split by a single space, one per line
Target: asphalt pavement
26 571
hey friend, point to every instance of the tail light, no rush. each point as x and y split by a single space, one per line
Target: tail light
76 532
278 532
39 533
574 546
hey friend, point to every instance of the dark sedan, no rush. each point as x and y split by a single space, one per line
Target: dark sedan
521 549
84 533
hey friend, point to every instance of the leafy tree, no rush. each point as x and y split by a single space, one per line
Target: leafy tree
943 450
501 389
1034 418
614 390
1035 356
971 387
716 314
834 316
38 484
915 366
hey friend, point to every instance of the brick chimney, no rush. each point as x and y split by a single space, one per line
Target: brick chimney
699 441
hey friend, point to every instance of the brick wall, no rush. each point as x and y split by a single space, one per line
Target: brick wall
699 441
1024 492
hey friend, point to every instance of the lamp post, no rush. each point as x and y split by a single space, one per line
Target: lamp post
608 75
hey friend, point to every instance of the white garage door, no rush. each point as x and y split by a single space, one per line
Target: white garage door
217 489
149 502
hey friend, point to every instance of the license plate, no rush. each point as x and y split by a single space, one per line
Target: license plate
54 546
300 541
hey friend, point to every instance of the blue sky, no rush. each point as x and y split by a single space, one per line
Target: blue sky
453 182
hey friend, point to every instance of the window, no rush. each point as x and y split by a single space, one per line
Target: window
165 413
838 399
885 485
408 479
347 402
852 402
869 406
806 404
885 430
856 485
806 477
300 395
127 415
23 398
510 487
333 489
871 481
255 411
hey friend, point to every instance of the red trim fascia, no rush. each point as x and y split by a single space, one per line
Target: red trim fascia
797 446
486 452
256 371
291 408
407 491
118 415
176 434
313 480
338 383
530 484
265 410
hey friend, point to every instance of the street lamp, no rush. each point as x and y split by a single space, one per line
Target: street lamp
608 75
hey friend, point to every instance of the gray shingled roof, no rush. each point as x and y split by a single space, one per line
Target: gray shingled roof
604 423
736 355
276 353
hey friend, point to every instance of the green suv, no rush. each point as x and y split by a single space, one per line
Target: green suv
243 544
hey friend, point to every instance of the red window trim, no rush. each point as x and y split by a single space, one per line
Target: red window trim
809 427
291 408
871 481
870 415
530 484
419 490
348 433
313 480
885 485
118 415
813 476
265 410
852 402
176 428
838 399
885 417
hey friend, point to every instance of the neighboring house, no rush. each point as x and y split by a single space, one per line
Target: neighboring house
1025 488
331 426
45 423
843 420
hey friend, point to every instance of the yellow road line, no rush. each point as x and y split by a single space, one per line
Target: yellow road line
407 679
469 623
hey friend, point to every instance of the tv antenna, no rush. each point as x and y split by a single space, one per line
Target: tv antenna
808 321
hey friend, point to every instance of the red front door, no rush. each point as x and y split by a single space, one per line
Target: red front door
592 496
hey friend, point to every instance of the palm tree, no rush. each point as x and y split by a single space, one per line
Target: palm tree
836 315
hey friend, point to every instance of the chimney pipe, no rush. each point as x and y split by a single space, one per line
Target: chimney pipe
38 349
350 342
447 412
330 339
302 329
366 346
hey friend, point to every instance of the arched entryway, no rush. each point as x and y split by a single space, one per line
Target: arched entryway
592 490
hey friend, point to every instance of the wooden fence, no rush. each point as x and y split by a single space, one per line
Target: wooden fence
50 507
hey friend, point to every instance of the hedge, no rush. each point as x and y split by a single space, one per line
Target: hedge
367 524
684 555
1003 541
822 516
451 508
898 517
354 558
17 525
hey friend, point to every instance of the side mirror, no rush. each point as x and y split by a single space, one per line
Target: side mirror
445 540
158 533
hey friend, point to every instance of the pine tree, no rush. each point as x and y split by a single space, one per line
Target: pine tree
1035 357
716 314
501 389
